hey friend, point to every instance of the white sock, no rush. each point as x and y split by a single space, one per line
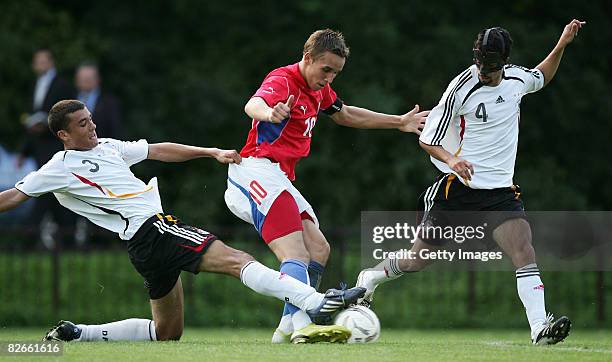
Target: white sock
286 324
269 282
531 291
300 320
385 271
126 330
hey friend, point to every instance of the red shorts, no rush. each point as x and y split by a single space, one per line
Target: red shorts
283 218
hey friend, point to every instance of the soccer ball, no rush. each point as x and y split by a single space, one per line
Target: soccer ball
361 321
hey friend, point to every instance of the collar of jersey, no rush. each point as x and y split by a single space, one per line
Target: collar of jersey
295 69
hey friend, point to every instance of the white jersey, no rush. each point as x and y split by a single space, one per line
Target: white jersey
480 123
99 185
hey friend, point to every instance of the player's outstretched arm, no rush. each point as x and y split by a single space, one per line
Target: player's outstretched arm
550 64
356 117
257 108
462 167
12 198
176 152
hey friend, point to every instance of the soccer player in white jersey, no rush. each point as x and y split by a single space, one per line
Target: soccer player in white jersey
92 177
472 137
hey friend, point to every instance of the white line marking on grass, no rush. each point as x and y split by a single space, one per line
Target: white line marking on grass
557 347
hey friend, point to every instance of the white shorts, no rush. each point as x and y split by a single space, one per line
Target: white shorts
252 187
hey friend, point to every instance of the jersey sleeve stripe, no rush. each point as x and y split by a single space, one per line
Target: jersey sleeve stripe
514 78
448 107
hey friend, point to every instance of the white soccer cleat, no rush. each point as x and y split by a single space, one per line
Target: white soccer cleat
367 280
552 332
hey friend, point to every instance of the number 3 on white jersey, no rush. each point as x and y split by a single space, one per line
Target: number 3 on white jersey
310 123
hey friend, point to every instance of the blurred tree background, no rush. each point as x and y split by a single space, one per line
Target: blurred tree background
184 70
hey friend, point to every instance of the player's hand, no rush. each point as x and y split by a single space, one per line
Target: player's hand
228 156
570 31
413 121
462 167
281 110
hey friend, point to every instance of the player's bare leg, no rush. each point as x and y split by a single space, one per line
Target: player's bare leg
390 269
168 314
318 250
290 246
514 238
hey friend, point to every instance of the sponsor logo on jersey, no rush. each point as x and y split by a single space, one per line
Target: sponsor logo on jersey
499 100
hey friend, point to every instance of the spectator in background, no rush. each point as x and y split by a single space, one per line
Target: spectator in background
48 89
104 106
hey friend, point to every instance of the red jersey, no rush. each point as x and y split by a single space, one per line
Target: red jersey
289 141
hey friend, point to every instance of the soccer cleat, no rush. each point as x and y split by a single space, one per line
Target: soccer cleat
553 332
280 337
365 280
314 333
335 300
65 331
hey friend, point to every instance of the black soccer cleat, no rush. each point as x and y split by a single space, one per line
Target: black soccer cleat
334 301
553 333
64 331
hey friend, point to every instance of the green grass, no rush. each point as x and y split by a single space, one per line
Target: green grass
395 345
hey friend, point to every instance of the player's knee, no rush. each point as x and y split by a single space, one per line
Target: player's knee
526 250
524 253
319 249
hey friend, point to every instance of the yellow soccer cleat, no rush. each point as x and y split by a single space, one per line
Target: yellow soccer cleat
314 333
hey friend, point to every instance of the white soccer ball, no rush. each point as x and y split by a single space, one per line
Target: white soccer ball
361 321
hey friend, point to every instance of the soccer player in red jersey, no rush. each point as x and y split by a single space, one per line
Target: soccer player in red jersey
285 110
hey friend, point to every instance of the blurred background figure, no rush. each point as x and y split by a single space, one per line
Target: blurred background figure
48 89
104 107
39 143
12 171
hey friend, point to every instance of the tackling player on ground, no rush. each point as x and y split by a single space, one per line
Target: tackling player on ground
472 137
284 112
92 178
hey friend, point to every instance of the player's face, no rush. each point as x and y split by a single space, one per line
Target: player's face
323 70
489 78
81 133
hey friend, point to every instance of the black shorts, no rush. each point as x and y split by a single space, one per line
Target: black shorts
448 202
163 247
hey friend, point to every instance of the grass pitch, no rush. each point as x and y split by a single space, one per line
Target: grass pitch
394 345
